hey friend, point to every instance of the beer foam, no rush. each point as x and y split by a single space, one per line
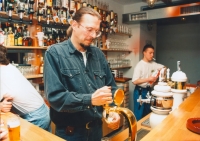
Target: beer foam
13 123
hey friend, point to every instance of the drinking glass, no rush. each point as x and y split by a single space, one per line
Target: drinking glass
13 123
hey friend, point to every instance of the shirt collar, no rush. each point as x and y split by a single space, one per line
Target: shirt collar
72 49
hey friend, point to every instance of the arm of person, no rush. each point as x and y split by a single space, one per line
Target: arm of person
137 77
6 103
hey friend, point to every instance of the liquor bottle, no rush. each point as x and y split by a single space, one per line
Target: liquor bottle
40 3
5 36
30 10
16 37
1 36
45 40
72 7
39 14
78 4
27 40
72 10
10 9
65 7
95 5
20 37
89 3
1 5
84 3
21 10
41 65
56 9
50 40
10 38
49 3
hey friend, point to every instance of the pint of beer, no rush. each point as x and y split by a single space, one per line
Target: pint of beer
13 124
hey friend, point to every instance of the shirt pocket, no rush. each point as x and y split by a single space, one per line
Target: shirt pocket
100 78
72 79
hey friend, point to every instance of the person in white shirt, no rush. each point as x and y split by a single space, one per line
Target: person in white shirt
19 96
143 80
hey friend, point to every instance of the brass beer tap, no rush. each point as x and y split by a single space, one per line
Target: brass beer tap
128 114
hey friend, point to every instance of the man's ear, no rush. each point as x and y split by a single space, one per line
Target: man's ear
74 24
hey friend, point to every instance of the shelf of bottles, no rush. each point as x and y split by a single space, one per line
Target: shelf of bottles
54 16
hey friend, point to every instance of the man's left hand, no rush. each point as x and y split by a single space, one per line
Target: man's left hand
115 121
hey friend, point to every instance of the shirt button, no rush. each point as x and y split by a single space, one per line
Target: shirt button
88 107
70 75
95 111
88 84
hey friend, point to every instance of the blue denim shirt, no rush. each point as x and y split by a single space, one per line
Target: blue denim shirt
69 84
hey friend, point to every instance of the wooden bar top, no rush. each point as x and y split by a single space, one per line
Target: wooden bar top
173 127
31 132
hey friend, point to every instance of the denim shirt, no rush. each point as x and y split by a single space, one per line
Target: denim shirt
69 84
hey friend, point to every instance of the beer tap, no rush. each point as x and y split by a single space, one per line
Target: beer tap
128 114
30 10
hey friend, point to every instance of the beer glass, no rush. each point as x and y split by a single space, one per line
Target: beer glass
13 123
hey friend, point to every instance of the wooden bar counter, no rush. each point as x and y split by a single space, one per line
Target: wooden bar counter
173 127
31 132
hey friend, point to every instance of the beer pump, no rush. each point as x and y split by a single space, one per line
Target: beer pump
128 114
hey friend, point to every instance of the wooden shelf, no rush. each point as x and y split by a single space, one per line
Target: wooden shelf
26 47
34 76
121 34
111 50
127 67
122 80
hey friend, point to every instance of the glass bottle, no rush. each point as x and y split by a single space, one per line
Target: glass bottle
16 37
10 38
1 5
41 65
5 36
30 40
84 3
78 4
20 37
1 36
25 40
95 5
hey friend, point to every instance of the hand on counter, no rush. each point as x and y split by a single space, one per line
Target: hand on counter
102 96
6 104
113 120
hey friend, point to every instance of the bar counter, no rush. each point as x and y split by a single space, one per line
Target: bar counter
31 132
173 127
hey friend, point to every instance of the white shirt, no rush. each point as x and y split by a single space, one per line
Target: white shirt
84 57
144 70
25 97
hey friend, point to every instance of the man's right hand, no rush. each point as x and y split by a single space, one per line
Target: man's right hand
6 104
102 96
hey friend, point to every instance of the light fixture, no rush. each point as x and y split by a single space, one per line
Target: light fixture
151 3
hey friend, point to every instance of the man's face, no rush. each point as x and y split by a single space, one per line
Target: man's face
86 30
148 54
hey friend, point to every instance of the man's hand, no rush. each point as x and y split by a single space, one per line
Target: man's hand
152 79
102 96
6 104
113 120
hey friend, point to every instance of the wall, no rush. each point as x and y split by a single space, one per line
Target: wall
180 42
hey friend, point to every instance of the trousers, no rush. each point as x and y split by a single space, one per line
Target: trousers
140 110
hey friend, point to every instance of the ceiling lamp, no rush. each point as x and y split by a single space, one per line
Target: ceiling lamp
151 3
